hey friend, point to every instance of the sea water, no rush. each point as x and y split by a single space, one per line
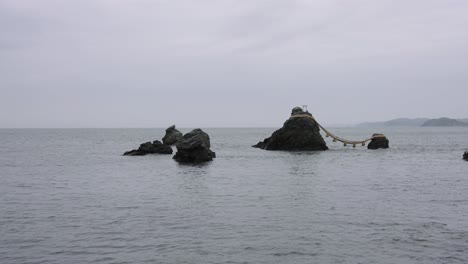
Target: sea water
69 196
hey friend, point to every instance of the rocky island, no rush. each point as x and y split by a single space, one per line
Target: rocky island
299 132
194 148
378 141
150 148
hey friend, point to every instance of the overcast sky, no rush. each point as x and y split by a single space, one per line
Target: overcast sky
229 63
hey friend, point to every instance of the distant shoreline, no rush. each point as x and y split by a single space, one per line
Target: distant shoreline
418 122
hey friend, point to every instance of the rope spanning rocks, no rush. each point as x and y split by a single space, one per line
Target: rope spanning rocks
465 155
194 148
150 148
172 136
299 133
290 136
376 141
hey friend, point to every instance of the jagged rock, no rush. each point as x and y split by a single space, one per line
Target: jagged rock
194 148
172 136
465 155
379 141
150 148
298 133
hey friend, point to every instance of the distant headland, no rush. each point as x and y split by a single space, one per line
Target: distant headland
444 122
419 122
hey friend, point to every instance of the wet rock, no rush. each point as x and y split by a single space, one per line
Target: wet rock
262 144
300 132
465 155
194 148
172 136
150 148
378 141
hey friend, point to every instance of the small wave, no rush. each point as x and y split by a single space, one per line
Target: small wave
297 253
106 259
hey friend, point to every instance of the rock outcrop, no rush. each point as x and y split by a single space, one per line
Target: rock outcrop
172 136
150 148
465 155
378 141
300 132
194 148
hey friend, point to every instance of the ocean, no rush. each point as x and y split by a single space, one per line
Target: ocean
69 196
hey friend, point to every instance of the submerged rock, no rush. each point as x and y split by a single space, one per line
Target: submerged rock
300 132
465 155
150 148
378 141
172 136
194 148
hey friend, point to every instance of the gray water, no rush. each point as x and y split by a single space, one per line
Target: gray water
68 196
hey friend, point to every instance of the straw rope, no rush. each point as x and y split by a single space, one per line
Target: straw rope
336 138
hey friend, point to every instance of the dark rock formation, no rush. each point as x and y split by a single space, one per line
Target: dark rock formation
194 148
298 133
379 141
150 148
465 155
444 122
172 136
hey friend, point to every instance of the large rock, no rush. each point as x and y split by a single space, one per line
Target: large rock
300 132
194 148
378 141
150 148
465 155
172 136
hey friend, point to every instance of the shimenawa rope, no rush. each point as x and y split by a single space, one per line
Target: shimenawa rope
336 138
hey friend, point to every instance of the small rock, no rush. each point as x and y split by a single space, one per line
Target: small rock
150 148
465 155
194 148
378 141
172 136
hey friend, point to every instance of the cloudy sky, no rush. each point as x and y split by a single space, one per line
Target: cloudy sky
229 63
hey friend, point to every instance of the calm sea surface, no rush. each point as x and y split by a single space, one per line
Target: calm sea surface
68 196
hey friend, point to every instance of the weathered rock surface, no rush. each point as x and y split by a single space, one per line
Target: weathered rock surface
378 142
150 148
298 133
172 136
465 155
194 148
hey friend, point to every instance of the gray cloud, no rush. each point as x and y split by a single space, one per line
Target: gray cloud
229 63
